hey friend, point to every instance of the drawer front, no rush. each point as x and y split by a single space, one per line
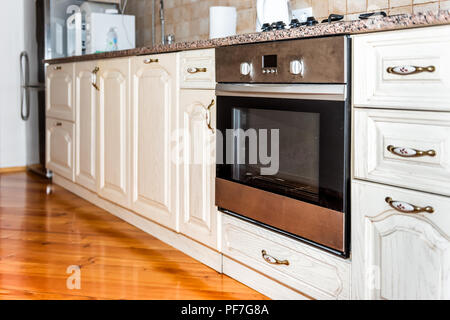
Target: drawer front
409 149
198 69
59 92
60 147
406 69
302 267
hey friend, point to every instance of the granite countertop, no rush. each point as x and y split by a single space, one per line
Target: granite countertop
396 22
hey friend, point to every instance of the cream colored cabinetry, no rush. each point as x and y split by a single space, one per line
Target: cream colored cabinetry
59 91
113 126
400 235
60 147
154 119
86 101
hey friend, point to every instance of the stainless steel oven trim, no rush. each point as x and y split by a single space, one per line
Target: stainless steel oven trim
328 92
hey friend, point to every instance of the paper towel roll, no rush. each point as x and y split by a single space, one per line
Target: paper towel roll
222 22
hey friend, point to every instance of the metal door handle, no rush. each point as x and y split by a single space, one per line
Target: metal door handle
208 116
196 70
148 61
408 70
57 68
58 124
409 152
94 78
272 260
405 207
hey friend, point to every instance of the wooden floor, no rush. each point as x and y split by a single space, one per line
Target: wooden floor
44 229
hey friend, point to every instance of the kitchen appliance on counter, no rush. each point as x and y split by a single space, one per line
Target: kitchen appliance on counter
283 161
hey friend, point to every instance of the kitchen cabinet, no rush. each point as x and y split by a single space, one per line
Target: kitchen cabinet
59 92
113 126
60 147
399 255
198 213
154 120
86 100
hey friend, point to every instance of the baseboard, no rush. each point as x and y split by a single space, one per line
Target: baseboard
13 169
259 282
205 255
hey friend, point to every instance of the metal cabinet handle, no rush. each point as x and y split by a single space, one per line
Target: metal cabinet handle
57 68
148 61
58 124
94 78
409 152
408 70
196 70
208 115
272 260
405 207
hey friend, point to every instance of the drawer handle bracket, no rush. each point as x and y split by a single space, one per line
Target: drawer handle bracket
208 115
408 70
148 61
405 207
272 260
94 78
410 153
196 70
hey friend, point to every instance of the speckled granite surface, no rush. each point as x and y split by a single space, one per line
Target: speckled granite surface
336 28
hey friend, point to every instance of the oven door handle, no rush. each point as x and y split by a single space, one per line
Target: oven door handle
326 92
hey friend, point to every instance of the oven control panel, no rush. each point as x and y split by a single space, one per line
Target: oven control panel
269 64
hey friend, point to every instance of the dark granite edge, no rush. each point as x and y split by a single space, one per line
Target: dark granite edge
404 21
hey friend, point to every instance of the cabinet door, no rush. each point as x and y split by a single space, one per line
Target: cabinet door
59 147
86 117
198 213
59 86
154 113
399 255
113 79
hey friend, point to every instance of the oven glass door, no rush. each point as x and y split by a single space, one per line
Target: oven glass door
295 148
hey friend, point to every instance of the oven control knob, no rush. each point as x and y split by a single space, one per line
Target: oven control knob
246 68
296 67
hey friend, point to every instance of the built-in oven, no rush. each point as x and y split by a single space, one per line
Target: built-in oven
283 138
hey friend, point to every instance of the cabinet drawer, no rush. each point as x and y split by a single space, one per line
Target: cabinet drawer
198 69
384 73
309 270
388 145
60 147
59 92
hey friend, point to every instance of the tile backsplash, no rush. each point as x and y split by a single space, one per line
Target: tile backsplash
189 19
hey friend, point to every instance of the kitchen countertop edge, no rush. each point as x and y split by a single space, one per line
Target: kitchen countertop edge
403 21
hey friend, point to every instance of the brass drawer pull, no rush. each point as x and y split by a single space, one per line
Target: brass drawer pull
272 260
148 61
408 70
405 207
409 152
58 124
94 78
57 67
208 115
196 70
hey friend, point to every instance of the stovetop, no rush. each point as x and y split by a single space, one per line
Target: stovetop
311 21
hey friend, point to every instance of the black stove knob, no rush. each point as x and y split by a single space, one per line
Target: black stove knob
294 23
311 21
280 25
266 27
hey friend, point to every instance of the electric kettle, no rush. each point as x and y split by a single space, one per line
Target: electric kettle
269 11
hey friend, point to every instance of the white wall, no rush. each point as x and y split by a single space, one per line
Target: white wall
12 42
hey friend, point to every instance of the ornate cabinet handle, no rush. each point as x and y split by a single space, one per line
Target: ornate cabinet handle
94 78
408 70
58 124
272 260
196 70
148 61
410 153
208 115
57 67
405 207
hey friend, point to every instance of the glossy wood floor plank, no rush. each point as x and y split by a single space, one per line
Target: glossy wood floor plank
44 229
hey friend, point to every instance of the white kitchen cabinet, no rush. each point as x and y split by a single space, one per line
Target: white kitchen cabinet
86 100
154 120
198 213
60 147
113 126
59 92
399 255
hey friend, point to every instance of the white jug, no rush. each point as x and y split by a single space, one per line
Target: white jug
269 11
